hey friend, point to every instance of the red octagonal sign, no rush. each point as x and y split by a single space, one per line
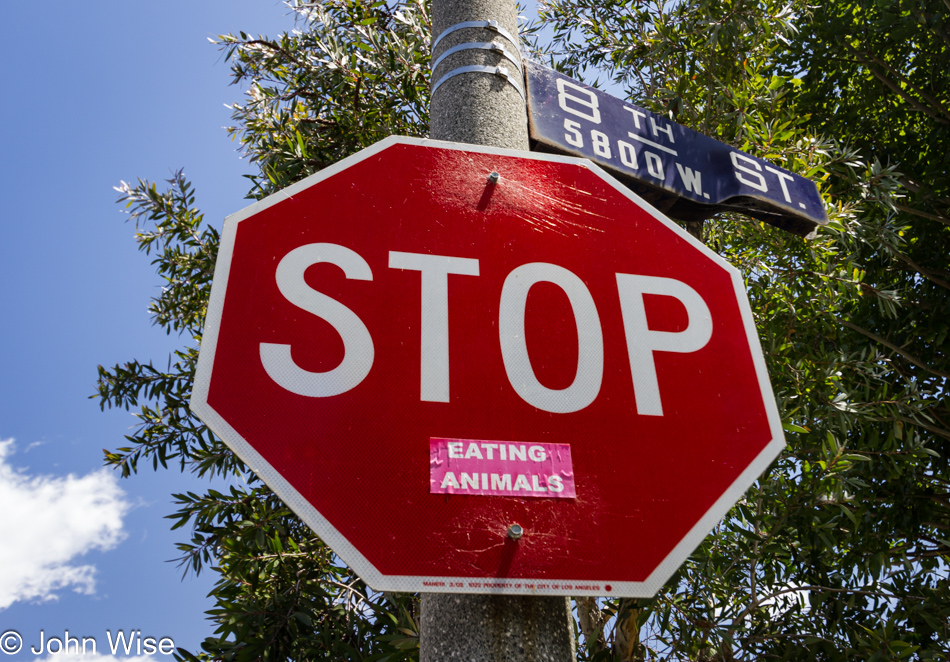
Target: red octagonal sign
428 349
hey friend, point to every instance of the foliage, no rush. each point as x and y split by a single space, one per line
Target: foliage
841 550
351 74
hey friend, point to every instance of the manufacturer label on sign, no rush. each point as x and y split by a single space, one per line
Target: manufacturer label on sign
500 468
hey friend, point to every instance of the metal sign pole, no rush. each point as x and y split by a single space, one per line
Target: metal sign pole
478 97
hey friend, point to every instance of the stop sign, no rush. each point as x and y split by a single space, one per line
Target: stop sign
478 370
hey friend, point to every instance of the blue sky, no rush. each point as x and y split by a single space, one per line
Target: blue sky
94 93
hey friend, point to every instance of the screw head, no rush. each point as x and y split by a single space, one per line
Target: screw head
515 531
494 177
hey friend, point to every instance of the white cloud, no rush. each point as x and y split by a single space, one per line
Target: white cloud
46 522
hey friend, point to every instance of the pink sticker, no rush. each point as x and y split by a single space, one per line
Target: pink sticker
500 468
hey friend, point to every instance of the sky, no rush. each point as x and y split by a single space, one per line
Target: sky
95 93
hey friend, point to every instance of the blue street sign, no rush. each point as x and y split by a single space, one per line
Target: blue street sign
688 175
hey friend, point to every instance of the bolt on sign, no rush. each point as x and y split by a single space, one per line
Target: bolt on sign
486 371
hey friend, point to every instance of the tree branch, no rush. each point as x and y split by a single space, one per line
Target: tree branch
940 432
897 89
894 72
823 589
906 97
930 428
914 187
923 271
922 214
907 355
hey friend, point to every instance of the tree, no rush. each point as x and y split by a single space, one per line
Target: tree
841 549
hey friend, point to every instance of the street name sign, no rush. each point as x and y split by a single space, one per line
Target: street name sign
485 371
689 174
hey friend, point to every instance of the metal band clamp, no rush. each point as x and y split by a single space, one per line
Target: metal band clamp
497 71
479 45
487 25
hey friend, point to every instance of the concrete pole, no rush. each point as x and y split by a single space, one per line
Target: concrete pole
485 108
477 107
